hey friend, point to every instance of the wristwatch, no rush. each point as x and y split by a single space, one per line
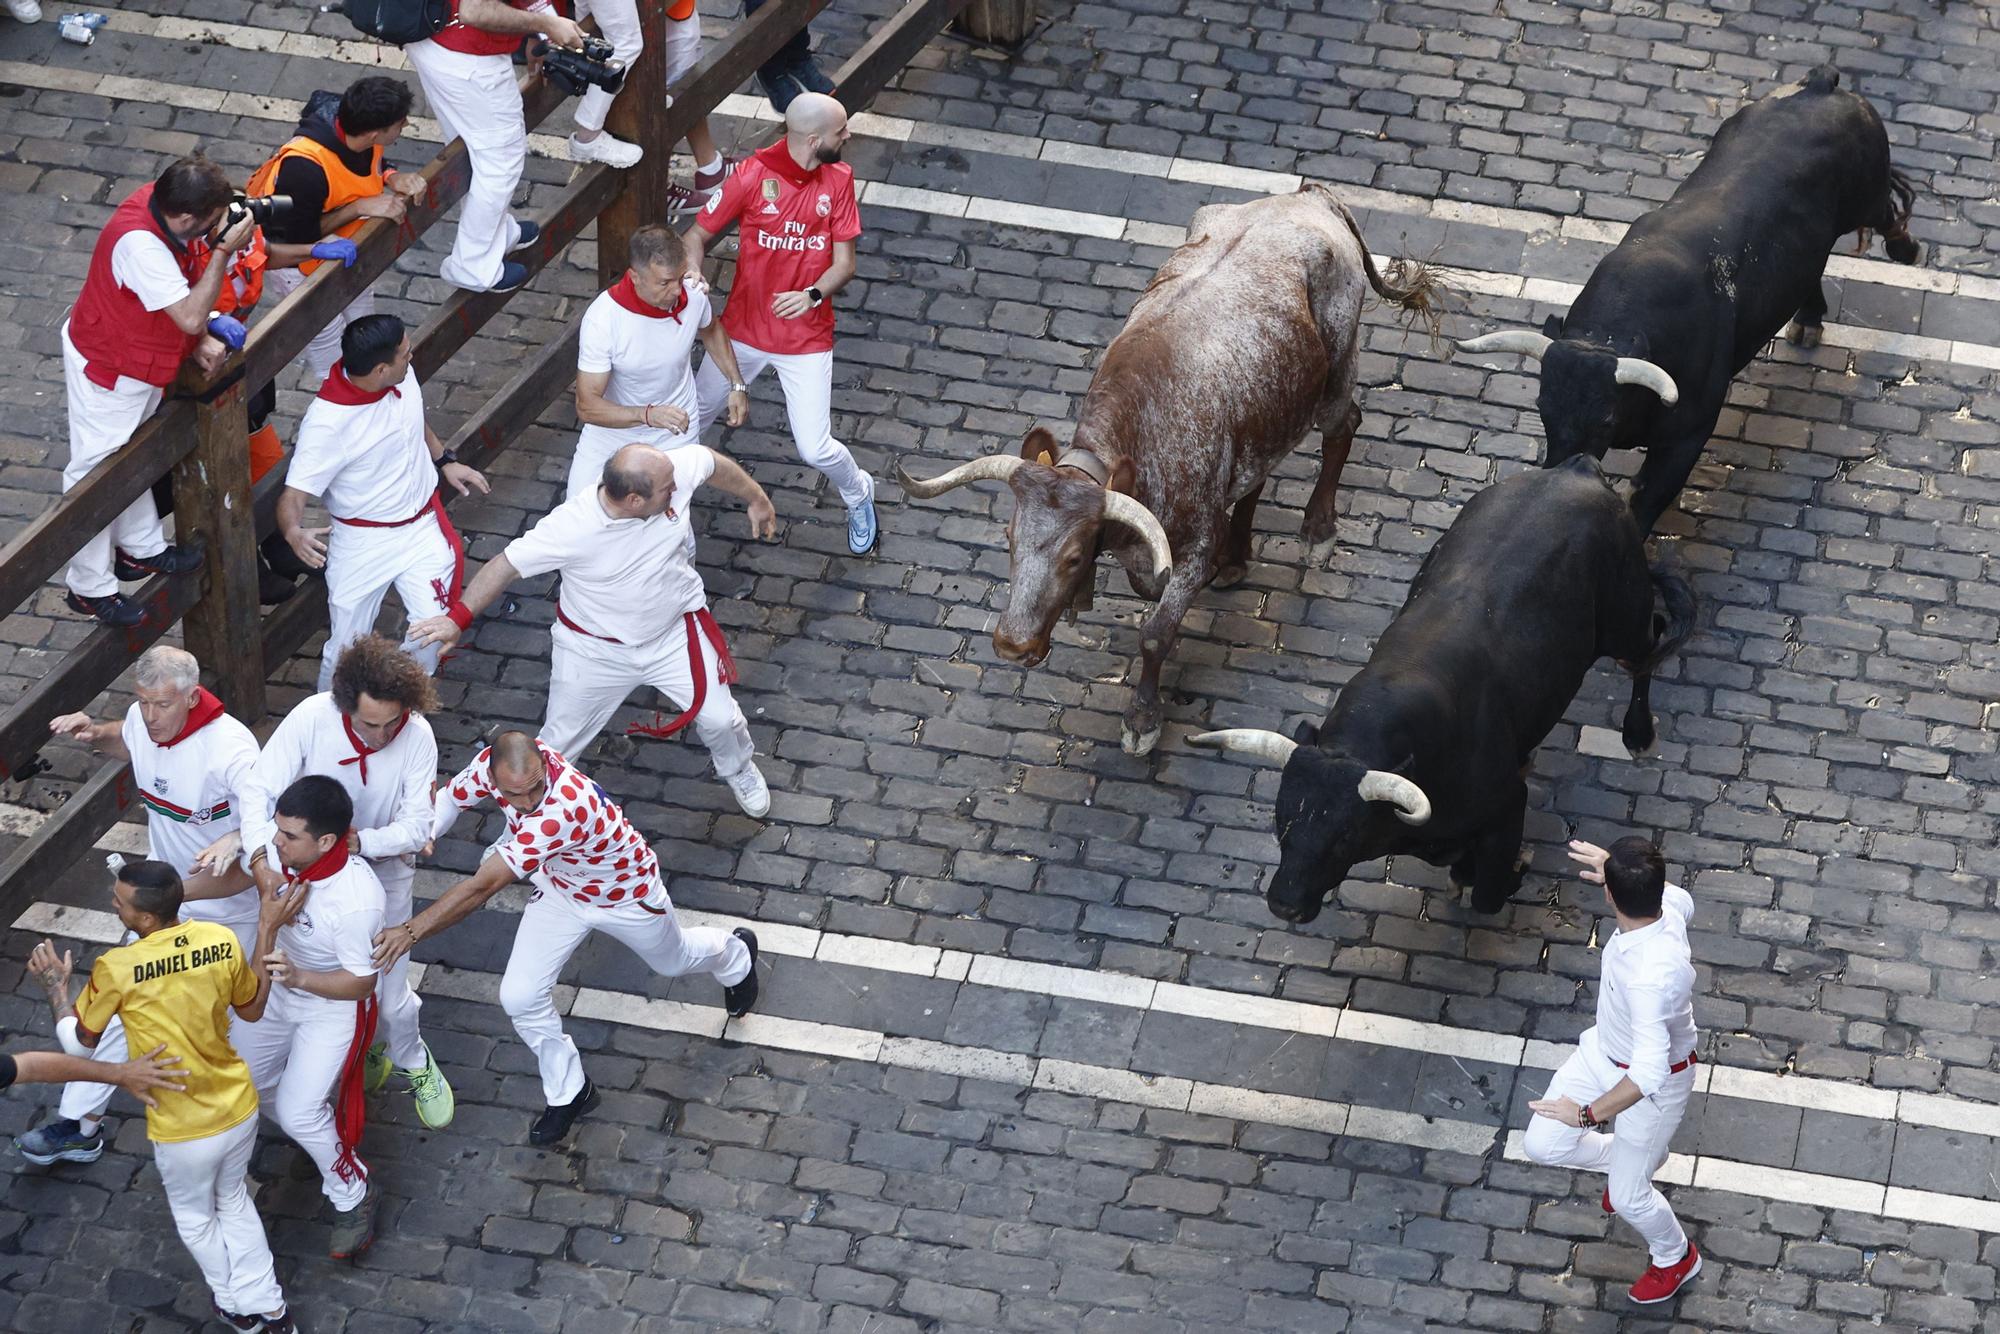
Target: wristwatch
738 387
816 295
449 456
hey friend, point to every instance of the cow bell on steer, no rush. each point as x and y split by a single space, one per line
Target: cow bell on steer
1329 811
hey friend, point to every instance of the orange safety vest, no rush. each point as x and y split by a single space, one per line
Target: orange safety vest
680 9
343 187
243 286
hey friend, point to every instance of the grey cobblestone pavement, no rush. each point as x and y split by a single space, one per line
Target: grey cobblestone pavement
1825 786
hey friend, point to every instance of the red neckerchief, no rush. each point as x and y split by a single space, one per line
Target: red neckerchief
339 389
778 160
326 867
626 295
362 750
207 708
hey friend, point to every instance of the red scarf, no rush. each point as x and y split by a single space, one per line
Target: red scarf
207 708
326 867
626 295
362 750
337 388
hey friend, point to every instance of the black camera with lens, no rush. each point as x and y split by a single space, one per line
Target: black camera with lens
263 208
575 71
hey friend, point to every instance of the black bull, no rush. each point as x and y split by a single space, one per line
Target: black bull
1645 357
1425 751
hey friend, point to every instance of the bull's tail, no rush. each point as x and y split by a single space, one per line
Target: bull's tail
1896 228
1674 616
1411 284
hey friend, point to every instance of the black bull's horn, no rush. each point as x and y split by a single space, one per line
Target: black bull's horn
1630 370
1412 806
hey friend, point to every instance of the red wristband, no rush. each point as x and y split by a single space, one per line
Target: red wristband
460 614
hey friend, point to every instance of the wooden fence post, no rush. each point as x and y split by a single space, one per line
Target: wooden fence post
639 116
212 501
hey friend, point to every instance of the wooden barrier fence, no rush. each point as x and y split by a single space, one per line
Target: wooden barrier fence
202 438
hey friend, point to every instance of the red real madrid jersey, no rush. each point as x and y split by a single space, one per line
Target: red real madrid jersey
789 218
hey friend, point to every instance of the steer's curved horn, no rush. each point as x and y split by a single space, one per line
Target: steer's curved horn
1253 741
1635 370
1412 806
1525 341
991 468
1121 508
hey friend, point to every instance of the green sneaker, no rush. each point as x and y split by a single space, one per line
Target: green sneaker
376 1073
435 1103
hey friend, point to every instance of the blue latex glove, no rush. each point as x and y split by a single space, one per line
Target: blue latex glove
337 247
230 330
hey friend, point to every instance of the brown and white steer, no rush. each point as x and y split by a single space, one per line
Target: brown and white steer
1243 343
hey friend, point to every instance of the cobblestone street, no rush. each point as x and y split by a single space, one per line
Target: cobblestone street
1181 1113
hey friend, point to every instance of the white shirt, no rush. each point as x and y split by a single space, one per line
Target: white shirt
650 361
191 790
577 841
392 807
336 930
626 579
366 461
1645 999
145 267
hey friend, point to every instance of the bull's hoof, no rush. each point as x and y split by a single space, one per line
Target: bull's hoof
1802 335
1137 743
1319 554
1640 737
1228 576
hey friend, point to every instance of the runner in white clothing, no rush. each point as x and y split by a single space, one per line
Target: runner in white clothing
634 367
370 733
1637 1063
189 761
305 1054
366 450
592 871
633 609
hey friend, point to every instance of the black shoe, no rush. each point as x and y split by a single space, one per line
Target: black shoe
809 75
512 275
531 232
553 1124
781 89
171 560
112 609
739 998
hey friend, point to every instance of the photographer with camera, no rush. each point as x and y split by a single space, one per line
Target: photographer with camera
145 308
333 174
467 72
618 20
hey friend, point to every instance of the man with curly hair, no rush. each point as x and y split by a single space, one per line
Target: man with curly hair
370 733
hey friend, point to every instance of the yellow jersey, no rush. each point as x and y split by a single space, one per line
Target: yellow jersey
177 986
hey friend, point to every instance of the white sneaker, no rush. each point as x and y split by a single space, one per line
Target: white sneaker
753 794
612 152
25 10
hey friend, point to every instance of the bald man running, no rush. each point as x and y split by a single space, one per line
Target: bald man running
592 871
795 205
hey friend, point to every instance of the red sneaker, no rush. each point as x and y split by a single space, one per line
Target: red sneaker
1606 1201
1658 1284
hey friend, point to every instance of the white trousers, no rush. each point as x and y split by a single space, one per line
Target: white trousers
808 381
476 99
324 349
82 1101
206 1188
396 1000
553 925
589 678
596 444
295 1054
362 564
1630 1154
618 21
100 422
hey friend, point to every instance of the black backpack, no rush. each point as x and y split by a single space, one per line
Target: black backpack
399 22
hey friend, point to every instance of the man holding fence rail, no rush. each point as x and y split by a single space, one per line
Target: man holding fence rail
145 308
